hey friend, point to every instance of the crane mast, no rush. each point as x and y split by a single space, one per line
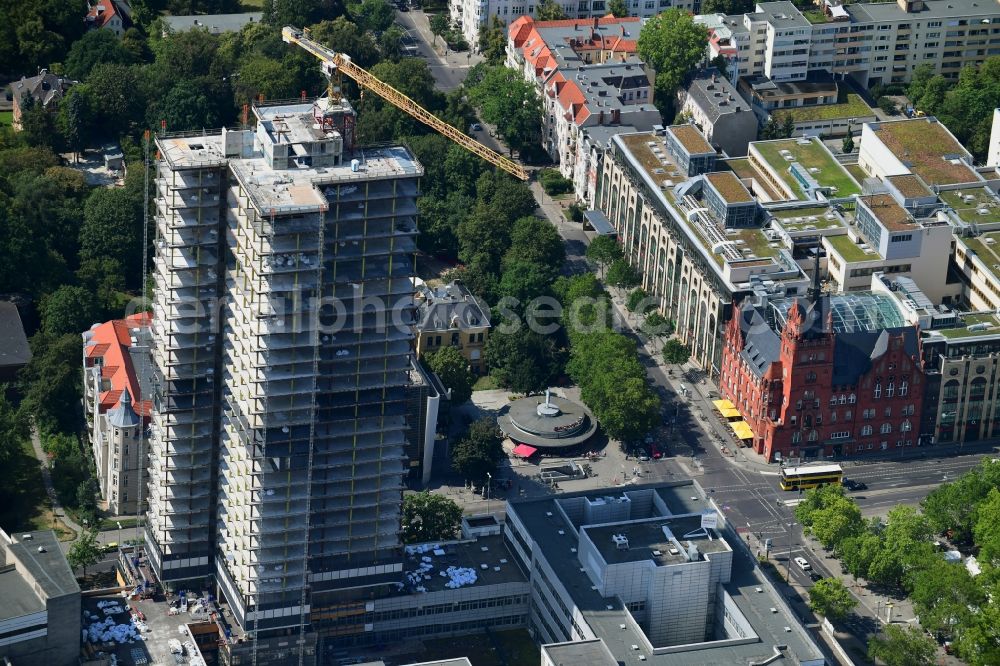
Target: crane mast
339 63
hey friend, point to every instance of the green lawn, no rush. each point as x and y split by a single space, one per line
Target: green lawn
485 383
815 16
967 320
786 217
852 107
829 172
6 118
252 5
970 211
849 250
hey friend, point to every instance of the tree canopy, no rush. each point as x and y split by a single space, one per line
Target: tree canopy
673 45
453 370
480 451
902 646
511 104
429 517
831 599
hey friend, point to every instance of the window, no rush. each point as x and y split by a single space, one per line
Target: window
902 389
843 398
811 377
866 430
813 435
890 390
847 415
888 412
852 399
794 420
886 428
833 400
844 434
878 390
796 437
905 426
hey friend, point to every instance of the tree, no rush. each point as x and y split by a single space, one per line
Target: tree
94 48
902 646
343 36
858 552
372 15
38 127
73 114
439 25
535 240
944 594
13 429
114 94
887 105
493 41
847 146
986 529
831 599
428 517
112 228
300 12
84 552
726 6
510 103
639 301
525 282
676 352
522 361
672 44
603 251
618 8
187 107
778 126
453 370
836 521
918 81
721 63
50 383
480 451
69 310
86 497
621 274
625 406
390 43
549 10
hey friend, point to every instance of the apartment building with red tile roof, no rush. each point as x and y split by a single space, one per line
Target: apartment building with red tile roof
592 85
117 369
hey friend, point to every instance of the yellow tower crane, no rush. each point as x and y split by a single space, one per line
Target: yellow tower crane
339 63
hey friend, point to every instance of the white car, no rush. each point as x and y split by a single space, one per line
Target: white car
802 563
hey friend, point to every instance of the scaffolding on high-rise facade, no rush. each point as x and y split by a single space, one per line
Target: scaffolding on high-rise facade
281 460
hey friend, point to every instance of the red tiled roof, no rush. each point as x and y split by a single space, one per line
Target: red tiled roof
101 18
110 342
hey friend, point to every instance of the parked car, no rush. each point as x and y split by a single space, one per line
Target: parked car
851 484
802 563
813 576
475 127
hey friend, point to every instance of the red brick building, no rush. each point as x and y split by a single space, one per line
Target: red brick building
827 375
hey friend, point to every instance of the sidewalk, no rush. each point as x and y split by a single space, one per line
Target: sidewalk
43 461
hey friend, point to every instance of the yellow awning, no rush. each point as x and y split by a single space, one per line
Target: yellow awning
742 429
727 409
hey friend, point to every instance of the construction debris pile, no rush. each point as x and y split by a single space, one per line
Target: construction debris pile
457 576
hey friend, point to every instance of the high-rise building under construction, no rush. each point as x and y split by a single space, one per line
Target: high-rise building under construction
282 313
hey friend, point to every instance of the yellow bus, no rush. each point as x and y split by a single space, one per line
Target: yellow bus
796 478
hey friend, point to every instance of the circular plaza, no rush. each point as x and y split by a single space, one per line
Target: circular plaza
547 422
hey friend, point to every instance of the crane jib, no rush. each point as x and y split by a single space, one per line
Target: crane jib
342 62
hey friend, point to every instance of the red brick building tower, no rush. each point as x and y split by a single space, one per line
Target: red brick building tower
824 376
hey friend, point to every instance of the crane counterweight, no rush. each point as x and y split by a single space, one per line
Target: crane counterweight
334 64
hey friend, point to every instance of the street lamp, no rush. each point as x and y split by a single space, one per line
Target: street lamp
119 534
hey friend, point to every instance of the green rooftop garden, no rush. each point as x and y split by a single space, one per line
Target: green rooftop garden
815 16
988 253
962 330
852 107
969 210
849 250
814 157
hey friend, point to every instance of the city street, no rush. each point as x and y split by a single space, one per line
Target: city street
448 70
